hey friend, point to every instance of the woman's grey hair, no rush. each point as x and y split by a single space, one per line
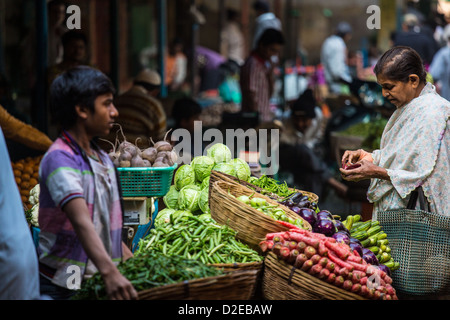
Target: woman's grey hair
399 62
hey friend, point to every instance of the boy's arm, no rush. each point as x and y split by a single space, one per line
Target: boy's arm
117 286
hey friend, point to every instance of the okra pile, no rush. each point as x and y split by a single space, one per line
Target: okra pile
372 237
148 270
198 239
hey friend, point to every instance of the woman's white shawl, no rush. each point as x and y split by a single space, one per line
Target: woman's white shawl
415 151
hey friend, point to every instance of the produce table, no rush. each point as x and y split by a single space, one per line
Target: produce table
227 235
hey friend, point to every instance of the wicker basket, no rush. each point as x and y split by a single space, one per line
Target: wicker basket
251 225
220 176
230 267
239 285
282 281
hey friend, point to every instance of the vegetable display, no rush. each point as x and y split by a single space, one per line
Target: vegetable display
331 261
273 211
198 238
125 154
373 241
149 270
190 189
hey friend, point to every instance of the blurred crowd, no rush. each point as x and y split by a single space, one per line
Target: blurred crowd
253 82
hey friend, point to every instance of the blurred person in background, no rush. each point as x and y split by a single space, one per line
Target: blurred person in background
440 67
141 112
264 20
257 75
176 66
333 57
232 43
412 35
300 136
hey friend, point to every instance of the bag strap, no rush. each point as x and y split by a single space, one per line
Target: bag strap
418 195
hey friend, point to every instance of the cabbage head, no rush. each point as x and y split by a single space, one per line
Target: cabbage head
242 168
184 176
205 183
182 214
203 201
219 152
202 166
206 217
163 217
188 198
171 198
225 167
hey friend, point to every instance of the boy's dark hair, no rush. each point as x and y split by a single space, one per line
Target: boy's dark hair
271 36
185 108
77 86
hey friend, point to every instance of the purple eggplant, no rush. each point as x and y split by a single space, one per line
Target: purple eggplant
354 240
325 226
342 237
370 257
295 209
309 215
340 226
356 247
324 214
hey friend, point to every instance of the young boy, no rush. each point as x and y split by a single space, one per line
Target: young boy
80 212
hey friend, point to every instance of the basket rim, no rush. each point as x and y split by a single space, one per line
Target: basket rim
139 169
260 214
311 195
251 274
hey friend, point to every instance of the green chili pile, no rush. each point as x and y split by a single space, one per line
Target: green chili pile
148 270
198 239
270 185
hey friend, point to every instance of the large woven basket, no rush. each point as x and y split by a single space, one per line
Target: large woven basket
251 225
230 267
220 176
282 281
239 285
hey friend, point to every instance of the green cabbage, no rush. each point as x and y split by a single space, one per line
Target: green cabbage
188 198
163 217
184 176
206 217
171 198
205 183
219 152
225 167
242 168
181 214
202 166
203 202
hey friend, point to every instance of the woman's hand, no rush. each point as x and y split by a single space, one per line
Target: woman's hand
366 170
351 157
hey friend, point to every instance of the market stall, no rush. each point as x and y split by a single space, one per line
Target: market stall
242 237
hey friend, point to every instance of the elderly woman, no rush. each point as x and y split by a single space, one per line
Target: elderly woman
415 145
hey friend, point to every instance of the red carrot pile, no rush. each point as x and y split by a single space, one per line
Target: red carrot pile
329 261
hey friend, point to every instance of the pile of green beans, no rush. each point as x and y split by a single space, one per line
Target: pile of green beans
271 185
148 270
203 240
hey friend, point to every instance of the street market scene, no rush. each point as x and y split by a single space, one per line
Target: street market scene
227 150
